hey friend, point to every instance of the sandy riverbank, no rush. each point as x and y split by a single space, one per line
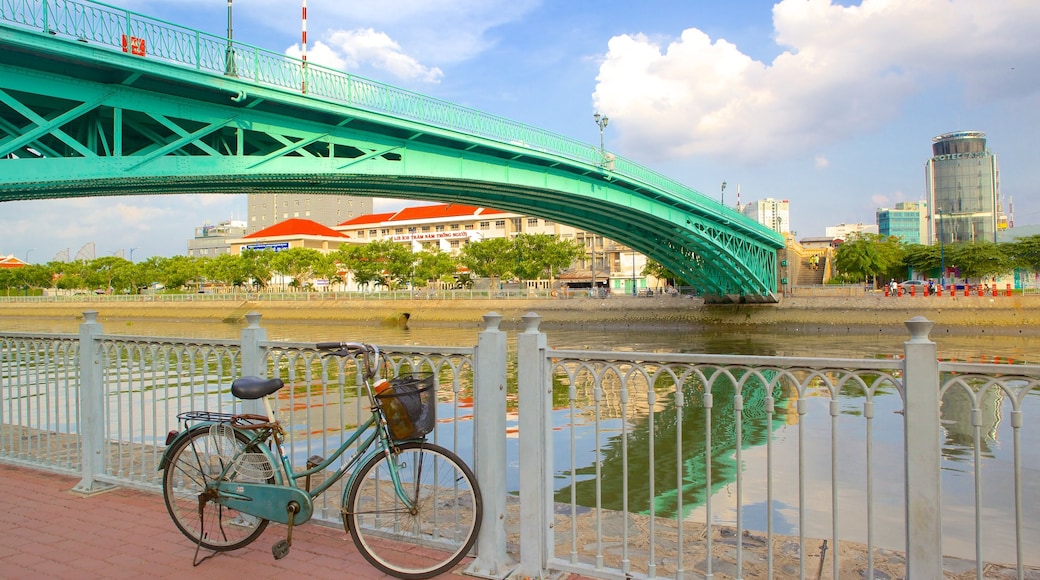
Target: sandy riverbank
998 315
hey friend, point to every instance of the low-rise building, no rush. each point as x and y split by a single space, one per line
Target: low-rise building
213 240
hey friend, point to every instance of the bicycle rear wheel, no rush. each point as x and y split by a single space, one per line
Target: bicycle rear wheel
432 537
197 460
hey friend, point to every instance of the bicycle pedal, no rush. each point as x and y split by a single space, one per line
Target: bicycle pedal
280 549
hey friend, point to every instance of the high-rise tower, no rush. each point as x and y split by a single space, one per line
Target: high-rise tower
962 184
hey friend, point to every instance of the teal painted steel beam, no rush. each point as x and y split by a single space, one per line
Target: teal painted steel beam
84 120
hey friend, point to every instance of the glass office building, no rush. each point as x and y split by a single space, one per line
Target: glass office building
962 185
905 221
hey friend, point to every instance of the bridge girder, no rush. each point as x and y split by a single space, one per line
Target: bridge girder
120 125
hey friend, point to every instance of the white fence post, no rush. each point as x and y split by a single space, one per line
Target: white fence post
536 456
489 448
253 361
923 452
91 407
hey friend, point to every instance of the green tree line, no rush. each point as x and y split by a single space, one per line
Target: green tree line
877 259
384 264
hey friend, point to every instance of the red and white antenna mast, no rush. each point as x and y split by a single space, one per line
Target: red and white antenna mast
304 45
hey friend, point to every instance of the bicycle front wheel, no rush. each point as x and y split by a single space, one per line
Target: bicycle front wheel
199 459
428 538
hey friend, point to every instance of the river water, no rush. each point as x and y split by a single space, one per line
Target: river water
958 461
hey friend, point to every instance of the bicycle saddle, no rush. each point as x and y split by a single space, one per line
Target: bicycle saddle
254 387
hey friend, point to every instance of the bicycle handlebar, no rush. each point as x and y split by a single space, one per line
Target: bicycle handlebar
348 348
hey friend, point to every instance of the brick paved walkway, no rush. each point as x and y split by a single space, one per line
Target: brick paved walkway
47 531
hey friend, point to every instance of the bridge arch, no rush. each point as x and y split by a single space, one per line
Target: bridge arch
79 117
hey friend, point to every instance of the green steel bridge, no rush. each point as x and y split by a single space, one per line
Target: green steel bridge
100 101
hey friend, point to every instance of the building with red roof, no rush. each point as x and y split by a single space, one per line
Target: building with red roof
449 226
292 233
10 262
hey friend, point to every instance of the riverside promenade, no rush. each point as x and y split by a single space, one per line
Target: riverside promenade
53 532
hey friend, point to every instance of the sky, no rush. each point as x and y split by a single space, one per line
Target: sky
831 105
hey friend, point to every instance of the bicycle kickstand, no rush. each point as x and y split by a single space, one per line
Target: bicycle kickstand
280 549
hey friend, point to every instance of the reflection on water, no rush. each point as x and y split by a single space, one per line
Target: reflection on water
677 447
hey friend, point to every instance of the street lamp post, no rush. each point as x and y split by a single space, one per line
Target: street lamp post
942 252
27 252
229 66
132 255
722 194
634 272
601 122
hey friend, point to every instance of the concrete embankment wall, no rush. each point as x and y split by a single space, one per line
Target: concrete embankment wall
1015 314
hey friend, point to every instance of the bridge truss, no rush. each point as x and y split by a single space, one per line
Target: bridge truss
96 101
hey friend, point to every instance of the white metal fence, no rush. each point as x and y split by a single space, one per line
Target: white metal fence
633 464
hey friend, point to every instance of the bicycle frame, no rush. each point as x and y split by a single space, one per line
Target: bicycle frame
272 502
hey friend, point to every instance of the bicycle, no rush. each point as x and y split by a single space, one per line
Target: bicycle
226 477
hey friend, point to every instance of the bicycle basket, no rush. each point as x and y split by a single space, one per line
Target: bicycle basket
410 405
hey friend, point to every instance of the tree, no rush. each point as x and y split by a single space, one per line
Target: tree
921 258
433 264
539 255
657 270
229 269
176 272
257 264
326 267
110 273
295 263
383 262
980 260
867 256
491 258
1026 252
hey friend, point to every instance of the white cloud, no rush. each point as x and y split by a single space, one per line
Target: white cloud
442 31
822 162
352 50
846 70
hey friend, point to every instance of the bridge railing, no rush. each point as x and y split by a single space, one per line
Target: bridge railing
633 464
147 37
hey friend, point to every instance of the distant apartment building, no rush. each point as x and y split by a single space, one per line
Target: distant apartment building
843 231
449 227
214 240
773 213
907 221
267 209
963 189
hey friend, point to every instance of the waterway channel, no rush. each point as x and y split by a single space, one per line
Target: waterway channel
958 461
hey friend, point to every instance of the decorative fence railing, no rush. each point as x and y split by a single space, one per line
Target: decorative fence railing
633 464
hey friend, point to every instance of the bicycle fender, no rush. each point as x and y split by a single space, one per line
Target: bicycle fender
264 500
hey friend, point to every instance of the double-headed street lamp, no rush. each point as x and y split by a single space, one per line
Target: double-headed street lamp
722 194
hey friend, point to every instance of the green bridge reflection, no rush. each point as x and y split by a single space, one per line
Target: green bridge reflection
669 460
